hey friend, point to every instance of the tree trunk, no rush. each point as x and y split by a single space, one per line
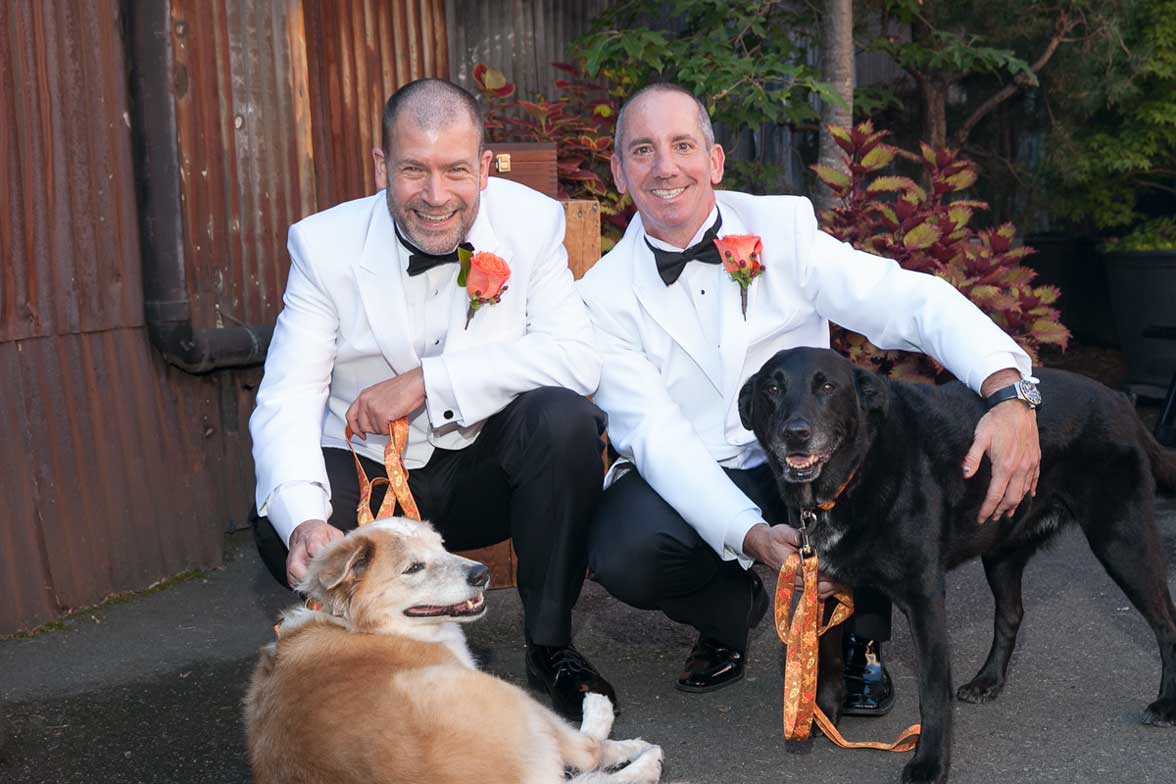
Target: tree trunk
934 111
838 66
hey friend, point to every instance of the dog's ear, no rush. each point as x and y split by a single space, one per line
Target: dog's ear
347 560
747 401
871 389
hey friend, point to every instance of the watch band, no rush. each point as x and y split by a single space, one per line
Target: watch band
1001 395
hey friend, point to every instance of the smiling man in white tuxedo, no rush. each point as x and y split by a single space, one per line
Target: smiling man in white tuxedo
691 504
502 442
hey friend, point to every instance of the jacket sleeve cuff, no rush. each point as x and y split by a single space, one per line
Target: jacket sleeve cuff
737 532
292 504
995 362
440 399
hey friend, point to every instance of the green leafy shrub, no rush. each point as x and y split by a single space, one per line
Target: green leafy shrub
1113 146
748 60
926 230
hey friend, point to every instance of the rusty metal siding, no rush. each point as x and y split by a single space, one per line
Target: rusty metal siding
108 484
68 227
241 151
522 38
359 52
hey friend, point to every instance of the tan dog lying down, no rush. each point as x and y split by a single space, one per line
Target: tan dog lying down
379 685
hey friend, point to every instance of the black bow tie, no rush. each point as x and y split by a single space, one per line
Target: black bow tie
419 261
670 263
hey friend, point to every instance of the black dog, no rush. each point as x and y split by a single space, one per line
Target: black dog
889 455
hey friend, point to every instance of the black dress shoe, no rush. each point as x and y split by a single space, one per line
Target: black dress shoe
868 688
711 664
566 676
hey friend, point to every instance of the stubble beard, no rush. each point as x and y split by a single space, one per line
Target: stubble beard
439 242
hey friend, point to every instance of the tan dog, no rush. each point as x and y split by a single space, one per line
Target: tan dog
379 685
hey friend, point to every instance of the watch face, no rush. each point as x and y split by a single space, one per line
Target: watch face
1029 393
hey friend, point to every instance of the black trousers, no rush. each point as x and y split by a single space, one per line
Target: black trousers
643 552
533 475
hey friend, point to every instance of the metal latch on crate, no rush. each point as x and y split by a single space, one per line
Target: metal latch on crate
502 162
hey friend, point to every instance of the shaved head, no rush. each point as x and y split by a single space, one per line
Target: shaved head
432 104
704 123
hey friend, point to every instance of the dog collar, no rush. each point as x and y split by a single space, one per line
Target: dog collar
808 515
832 502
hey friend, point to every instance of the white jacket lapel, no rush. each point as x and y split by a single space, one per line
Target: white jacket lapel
382 291
670 307
483 238
734 332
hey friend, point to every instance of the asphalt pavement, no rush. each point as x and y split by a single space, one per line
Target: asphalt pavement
148 690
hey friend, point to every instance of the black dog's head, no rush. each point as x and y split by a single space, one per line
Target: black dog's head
811 408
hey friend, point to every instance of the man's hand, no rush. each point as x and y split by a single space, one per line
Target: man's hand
389 400
772 546
309 539
1008 435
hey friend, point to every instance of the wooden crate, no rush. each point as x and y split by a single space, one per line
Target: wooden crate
529 163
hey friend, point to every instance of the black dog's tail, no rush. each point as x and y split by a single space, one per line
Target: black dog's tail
1163 462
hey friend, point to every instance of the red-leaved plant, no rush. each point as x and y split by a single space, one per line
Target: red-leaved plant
581 122
923 230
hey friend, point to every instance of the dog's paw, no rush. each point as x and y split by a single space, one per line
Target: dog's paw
1161 713
645 768
598 716
928 771
979 691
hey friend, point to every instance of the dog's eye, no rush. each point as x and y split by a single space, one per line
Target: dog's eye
772 389
414 568
828 386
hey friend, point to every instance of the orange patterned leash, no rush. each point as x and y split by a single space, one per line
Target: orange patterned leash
800 671
397 480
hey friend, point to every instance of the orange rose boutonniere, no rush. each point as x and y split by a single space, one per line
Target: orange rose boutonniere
741 254
484 276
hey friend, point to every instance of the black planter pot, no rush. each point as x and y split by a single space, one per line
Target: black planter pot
1142 287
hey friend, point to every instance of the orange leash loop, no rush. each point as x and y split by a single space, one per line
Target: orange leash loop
800 670
397 480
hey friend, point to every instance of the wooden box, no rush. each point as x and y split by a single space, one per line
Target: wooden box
529 163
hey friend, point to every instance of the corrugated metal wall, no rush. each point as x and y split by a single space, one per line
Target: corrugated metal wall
104 448
68 232
244 164
522 38
119 469
358 53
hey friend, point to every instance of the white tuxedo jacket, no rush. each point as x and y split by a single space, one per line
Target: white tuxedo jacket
344 328
672 395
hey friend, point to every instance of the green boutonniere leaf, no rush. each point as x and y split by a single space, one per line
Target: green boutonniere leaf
463 258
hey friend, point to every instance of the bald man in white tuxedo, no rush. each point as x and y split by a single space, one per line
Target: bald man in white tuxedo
691 504
375 328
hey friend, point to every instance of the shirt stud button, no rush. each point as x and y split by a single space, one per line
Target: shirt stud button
448 415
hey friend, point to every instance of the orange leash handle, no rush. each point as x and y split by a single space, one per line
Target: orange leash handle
800 669
397 480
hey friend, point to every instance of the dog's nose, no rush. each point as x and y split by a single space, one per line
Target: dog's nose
478 575
798 430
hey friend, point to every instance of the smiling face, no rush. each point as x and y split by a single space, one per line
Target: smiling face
666 165
434 178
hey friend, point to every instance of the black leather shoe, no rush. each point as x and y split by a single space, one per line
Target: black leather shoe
566 676
711 664
868 688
